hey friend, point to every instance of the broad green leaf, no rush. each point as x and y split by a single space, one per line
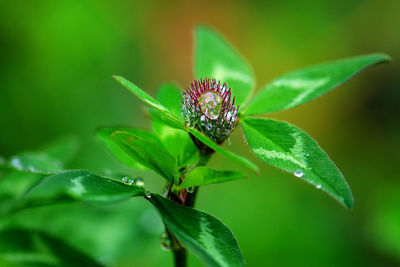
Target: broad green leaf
291 149
48 159
203 234
239 159
77 185
204 175
104 135
216 58
162 112
22 247
176 141
147 153
300 86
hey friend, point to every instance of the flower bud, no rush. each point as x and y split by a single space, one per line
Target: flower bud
207 107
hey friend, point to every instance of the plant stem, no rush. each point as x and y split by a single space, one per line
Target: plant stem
180 252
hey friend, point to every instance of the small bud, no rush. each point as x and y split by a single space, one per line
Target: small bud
207 107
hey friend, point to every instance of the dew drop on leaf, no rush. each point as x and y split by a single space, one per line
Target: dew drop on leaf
298 173
139 182
318 186
125 179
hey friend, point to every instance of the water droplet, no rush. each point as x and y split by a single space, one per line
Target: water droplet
130 182
307 154
318 186
210 104
209 126
139 182
125 179
148 194
31 168
165 242
203 118
229 115
190 190
16 163
298 173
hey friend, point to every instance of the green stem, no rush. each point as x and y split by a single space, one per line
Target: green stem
179 251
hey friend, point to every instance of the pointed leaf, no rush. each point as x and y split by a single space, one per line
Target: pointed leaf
215 58
291 149
176 141
300 86
162 111
203 234
104 135
239 159
147 153
204 175
77 185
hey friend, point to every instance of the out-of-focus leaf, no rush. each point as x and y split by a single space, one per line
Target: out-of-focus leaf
163 113
104 135
300 86
239 159
204 175
176 141
77 185
21 247
203 234
291 149
216 58
50 159
147 153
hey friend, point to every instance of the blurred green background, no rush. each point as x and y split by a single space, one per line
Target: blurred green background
56 66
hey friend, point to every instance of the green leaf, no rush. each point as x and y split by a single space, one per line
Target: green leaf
239 159
291 149
300 86
51 158
216 58
203 234
22 247
147 153
204 175
77 185
177 142
105 136
162 112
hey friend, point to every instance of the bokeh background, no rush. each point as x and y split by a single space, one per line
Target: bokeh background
57 60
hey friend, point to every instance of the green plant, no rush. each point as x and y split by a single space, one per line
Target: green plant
188 127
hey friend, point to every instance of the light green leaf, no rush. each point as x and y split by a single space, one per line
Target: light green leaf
300 86
48 159
177 142
22 247
77 185
204 175
291 149
147 153
216 58
207 141
104 135
203 234
162 112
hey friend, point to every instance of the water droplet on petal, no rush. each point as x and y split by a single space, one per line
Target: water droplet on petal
298 173
203 118
318 186
210 104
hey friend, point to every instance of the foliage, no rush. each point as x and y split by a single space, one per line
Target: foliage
168 150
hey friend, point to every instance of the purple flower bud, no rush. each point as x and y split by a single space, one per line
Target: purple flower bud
207 107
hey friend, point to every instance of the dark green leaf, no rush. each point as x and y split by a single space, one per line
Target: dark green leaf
239 159
35 248
147 153
291 149
77 185
204 235
163 113
215 58
300 86
104 135
204 175
176 141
